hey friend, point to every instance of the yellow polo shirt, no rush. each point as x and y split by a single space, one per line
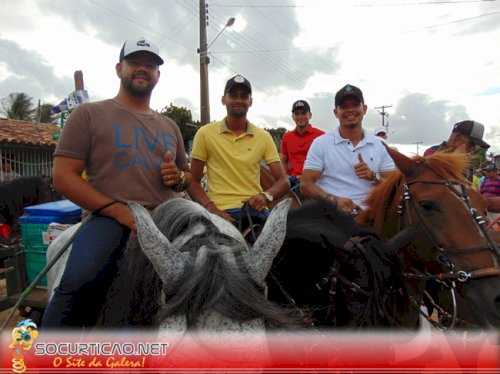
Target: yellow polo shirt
233 162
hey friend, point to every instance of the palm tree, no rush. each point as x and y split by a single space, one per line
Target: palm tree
45 116
18 105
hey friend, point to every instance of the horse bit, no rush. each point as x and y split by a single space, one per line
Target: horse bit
461 275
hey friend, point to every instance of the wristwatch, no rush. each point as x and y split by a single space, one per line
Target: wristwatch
376 177
268 196
182 177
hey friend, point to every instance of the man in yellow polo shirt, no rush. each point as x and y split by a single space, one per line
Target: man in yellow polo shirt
232 150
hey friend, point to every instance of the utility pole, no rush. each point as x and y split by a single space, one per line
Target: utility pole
204 61
417 143
384 114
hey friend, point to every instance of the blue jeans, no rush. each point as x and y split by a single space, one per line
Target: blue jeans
256 216
87 277
254 213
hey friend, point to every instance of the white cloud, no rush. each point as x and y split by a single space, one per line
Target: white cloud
432 62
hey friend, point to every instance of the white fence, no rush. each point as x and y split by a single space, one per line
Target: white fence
26 161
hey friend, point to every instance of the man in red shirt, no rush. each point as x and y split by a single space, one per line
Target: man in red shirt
295 144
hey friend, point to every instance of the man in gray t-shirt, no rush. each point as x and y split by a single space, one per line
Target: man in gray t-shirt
121 144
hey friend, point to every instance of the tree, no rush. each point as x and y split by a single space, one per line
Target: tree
277 134
184 119
479 157
45 116
18 105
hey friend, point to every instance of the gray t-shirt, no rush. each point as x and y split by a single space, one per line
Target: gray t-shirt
122 150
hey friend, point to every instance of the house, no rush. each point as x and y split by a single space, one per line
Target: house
27 146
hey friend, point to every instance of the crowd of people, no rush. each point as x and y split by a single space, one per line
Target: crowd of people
123 142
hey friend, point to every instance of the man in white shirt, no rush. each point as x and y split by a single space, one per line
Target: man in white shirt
343 165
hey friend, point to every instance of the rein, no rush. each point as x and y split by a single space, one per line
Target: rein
245 211
407 201
330 281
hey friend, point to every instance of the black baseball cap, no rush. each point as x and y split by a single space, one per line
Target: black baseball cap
237 80
474 130
348 90
301 105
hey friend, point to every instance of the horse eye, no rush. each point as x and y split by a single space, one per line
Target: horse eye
426 205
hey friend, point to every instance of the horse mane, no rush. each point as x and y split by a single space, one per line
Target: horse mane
216 278
449 166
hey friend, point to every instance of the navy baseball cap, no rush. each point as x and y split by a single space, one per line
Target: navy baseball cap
348 90
237 80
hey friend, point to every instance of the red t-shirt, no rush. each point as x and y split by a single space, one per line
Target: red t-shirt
295 147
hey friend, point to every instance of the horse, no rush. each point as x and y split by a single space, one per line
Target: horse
267 180
21 192
335 271
452 249
189 270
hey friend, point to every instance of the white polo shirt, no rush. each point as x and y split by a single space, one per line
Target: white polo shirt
335 158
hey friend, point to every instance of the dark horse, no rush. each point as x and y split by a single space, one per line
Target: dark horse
335 271
21 192
452 249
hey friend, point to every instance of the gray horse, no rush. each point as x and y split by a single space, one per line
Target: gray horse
188 269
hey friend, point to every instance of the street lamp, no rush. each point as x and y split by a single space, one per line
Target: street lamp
229 23
204 61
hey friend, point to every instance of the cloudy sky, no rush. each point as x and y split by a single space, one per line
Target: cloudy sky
430 62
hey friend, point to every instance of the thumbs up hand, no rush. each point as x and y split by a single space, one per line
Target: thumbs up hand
362 169
168 170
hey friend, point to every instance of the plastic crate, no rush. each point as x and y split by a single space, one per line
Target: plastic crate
61 208
35 262
34 234
34 230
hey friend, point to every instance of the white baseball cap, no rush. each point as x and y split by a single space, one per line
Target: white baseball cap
380 129
137 45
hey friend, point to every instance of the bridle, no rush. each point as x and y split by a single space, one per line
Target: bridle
331 281
407 205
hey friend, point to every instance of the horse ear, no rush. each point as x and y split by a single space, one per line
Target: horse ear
404 163
402 238
260 258
166 259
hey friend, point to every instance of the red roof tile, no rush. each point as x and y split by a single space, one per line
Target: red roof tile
26 132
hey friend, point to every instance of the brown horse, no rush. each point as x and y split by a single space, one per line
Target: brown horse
452 249
267 180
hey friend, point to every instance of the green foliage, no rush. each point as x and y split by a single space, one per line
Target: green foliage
18 106
277 134
45 116
184 119
478 157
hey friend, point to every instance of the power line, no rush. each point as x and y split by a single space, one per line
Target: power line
378 4
138 23
452 22
245 42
